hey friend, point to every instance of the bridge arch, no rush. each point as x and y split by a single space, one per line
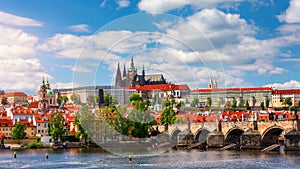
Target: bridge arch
201 135
174 135
233 135
270 135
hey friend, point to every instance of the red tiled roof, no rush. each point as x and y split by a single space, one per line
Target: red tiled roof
162 87
27 123
290 91
182 87
233 89
22 111
6 122
33 105
15 94
40 119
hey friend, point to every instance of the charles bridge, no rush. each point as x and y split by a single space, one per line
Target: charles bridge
243 135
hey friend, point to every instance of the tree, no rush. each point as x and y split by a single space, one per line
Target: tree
267 103
247 104
287 101
4 100
195 102
135 97
208 102
168 116
18 132
75 98
233 105
91 99
109 99
61 99
84 122
56 126
262 105
253 101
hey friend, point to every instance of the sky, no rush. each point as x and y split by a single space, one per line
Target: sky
240 43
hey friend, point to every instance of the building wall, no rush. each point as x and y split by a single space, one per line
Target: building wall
6 131
42 129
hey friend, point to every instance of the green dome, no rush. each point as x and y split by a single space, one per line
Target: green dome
50 92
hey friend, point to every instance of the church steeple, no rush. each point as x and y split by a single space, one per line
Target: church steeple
118 76
124 71
143 71
132 68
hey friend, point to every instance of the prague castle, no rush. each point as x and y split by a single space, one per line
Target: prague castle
130 78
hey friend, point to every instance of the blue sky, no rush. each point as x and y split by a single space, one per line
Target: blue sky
76 43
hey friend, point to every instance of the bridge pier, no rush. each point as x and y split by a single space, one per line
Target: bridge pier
216 138
251 139
292 138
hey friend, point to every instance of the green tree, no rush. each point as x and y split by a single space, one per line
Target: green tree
168 116
262 105
109 99
208 102
195 102
75 98
61 99
56 126
247 104
233 105
287 101
91 99
18 132
4 100
267 103
85 123
135 97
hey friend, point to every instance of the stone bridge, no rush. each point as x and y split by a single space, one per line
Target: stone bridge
246 134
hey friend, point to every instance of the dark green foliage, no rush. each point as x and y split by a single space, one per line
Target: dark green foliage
18 132
56 126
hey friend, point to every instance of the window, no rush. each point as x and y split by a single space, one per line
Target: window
32 128
42 131
39 131
45 125
39 124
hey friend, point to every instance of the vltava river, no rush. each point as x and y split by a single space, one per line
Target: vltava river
96 158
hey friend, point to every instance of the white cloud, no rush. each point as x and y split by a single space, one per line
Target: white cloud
293 84
79 28
168 5
60 85
77 68
9 19
21 74
15 43
123 3
291 15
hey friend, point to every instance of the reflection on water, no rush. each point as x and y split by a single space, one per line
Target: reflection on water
98 158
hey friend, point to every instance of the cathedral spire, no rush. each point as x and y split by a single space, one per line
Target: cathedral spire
143 71
124 71
118 76
132 68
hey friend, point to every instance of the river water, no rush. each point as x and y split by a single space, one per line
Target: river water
97 158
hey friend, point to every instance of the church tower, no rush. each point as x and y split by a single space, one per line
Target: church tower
132 72
210 84
215 85
118 76
124 71
46 96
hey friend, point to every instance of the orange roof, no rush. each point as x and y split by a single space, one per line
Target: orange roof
6 122
22 111
290 91
27 123
162 87
233 89
33 105
15 94
40 118
2 135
